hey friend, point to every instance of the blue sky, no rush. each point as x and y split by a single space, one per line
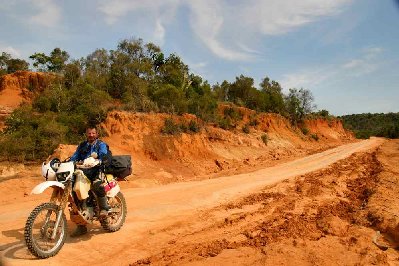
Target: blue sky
345 51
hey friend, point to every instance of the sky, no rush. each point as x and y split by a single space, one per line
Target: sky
346 52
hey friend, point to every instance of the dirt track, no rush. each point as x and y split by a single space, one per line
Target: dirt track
193 222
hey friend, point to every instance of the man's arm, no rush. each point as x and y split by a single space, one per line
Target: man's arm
76 156
102 151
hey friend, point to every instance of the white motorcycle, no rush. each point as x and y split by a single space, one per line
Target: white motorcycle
46 226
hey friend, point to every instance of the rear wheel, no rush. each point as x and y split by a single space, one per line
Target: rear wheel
39 228
116 218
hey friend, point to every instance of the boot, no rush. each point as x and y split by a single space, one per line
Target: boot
104 207
79 231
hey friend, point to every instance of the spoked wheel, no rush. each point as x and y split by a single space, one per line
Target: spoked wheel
117 217
39 229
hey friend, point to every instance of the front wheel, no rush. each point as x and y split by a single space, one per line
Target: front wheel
39 228
117 217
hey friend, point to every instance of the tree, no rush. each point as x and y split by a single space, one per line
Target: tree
72 73
55 62
10 65
97 66
221 91
4 57
274 96
240 89
40 61
299 103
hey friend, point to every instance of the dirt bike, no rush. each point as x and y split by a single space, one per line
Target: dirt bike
46 227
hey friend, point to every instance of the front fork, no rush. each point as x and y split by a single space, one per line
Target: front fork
62 204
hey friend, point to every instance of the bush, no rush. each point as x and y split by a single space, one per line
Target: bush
265 138
170 127
245 129
305 130
233 113
30 136
253 122
315 137
193 126
224 123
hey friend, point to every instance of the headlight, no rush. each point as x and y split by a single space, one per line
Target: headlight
62 177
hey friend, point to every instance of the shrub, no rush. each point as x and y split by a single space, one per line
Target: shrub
253 122
265 138
315 137
224 123
170 127
245 129
305 130
193 126
233 113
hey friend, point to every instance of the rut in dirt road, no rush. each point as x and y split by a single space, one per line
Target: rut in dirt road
158 206
326 204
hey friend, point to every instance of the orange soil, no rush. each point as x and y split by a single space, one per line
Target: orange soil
201 199
20 87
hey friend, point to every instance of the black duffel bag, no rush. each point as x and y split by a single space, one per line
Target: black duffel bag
120 166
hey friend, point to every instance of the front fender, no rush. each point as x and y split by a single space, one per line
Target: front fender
43 186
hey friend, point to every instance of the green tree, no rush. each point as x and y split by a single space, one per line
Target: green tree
240 90
274 97
221 91
299 103
97 66
10 65
40 61
72 73
55 62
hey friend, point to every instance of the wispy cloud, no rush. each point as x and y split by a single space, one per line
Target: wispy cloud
156 13
248 22
365 64
48 13
10 50
278 17
307 78
228 29
207 22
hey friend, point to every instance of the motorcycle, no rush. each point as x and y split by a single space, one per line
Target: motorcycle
46 227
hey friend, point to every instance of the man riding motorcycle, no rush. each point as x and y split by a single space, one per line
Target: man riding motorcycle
87 151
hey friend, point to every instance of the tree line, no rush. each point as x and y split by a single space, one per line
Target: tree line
367 125
136 76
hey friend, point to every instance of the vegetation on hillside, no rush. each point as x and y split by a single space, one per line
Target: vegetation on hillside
136 76
379 125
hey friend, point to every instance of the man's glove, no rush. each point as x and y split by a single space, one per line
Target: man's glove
90 162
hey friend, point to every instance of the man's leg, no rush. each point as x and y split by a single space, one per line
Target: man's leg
101 196
80 230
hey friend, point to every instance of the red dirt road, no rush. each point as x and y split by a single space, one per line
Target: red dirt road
159 215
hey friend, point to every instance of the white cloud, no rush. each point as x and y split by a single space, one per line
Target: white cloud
156 13
307 78
278 17
206 22
311 77
10 50
49 14
365 64
159 33
230 30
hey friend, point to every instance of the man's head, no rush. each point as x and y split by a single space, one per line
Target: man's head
91 134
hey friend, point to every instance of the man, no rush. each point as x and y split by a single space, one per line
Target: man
92 147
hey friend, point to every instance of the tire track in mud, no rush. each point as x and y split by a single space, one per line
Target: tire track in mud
329 203
152 211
